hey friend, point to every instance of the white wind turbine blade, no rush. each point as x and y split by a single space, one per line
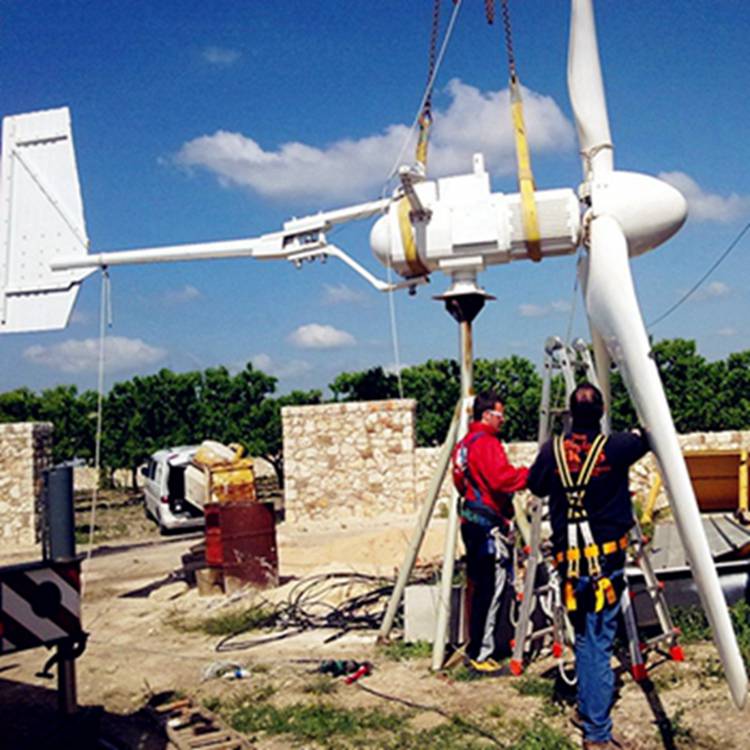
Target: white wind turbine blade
587 91
602 362
629 214
613 309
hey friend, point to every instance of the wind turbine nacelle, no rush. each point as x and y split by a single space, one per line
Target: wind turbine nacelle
464 226
648 209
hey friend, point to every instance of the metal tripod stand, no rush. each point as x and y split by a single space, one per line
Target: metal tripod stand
463 301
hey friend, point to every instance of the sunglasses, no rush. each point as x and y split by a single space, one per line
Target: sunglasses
494 413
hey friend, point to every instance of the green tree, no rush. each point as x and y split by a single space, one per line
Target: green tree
19 405
435 386
519 385
733 394
74 419
147 413
370 385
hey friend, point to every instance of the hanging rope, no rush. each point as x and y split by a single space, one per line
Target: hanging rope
105 321
526 186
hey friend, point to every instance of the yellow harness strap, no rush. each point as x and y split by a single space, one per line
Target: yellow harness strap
578 525
529 215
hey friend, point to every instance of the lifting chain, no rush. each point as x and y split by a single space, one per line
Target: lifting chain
505 10
489 11
425 118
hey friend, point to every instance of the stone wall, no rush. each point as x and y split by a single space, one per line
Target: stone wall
25 451
349 459
360 459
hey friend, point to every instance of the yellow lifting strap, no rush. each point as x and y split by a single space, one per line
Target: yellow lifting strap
529 214
406 230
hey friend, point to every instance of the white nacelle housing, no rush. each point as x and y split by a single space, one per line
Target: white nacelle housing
470 227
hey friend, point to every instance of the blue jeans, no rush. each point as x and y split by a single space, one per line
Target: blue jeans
595 634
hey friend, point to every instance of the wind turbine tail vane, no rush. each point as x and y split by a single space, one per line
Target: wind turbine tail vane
41 218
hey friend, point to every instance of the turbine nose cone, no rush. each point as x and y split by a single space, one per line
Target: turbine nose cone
648 209
380 240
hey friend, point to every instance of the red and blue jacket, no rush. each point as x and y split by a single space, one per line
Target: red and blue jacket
485 478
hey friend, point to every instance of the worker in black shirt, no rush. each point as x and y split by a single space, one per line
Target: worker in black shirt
585 475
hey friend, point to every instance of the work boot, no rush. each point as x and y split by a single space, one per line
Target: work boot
487 668
619 742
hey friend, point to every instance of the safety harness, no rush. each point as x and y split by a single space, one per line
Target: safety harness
472 508
578 527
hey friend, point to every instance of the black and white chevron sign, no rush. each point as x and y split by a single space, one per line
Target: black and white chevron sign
40 604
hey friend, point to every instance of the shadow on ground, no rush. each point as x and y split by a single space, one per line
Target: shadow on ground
30 720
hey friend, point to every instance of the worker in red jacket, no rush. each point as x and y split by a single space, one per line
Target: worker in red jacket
486 482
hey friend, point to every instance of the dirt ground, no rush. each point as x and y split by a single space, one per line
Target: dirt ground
136 608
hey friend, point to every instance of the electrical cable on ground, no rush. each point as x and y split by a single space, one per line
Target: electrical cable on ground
455 718
700 281
306 608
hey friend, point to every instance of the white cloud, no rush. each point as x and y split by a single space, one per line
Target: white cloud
341 294
188 293
220 56
712 291
82 355
349 169
704 206
530 310
289 369
316 336
728 331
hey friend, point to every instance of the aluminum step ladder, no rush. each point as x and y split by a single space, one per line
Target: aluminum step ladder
541 585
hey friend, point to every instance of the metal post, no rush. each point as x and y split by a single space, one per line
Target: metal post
424 518
464 306
60 544
67 700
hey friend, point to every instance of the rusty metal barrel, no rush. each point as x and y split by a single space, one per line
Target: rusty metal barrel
241 541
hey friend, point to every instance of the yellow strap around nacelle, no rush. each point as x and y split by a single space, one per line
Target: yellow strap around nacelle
411 255
425 123
529 215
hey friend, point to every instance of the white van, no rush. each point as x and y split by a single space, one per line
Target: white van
164 490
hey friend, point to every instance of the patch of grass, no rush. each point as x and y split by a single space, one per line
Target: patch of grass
678 729
317 722
692 623
541 736
740 614
464 674
666 680
321 685
403 651
227 623
496 712
537 686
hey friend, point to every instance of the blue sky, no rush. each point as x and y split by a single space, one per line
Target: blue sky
198 121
